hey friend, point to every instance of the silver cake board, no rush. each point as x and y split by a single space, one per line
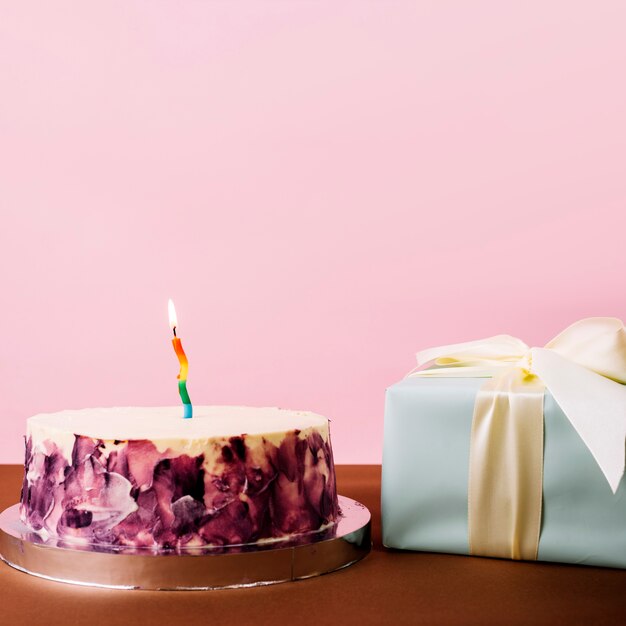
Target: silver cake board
205 567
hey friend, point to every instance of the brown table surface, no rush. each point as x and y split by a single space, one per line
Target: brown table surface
387 587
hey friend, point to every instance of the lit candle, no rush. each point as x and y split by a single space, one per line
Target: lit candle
184 364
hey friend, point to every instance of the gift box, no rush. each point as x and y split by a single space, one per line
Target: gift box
502 450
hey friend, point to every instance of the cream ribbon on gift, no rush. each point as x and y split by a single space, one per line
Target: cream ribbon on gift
584 367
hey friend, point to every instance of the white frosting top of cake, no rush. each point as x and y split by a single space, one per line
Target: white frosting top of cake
167 423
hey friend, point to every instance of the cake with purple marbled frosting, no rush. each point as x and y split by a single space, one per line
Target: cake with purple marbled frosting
144 477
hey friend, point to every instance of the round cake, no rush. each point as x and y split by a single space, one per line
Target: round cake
145 477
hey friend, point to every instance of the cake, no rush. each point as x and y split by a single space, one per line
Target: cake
144 477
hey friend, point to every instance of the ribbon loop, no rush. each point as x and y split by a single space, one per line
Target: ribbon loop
596 343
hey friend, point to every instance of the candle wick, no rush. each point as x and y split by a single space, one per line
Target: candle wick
174 329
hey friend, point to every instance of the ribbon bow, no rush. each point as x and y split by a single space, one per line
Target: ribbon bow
584 367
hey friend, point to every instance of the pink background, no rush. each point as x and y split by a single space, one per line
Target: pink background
322 188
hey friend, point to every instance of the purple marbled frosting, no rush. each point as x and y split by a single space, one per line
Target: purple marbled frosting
133 495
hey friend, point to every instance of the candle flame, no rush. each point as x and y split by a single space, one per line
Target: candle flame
172 313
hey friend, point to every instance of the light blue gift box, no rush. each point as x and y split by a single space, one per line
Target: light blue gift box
425 478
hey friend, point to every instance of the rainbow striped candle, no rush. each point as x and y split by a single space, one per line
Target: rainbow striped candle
184 364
